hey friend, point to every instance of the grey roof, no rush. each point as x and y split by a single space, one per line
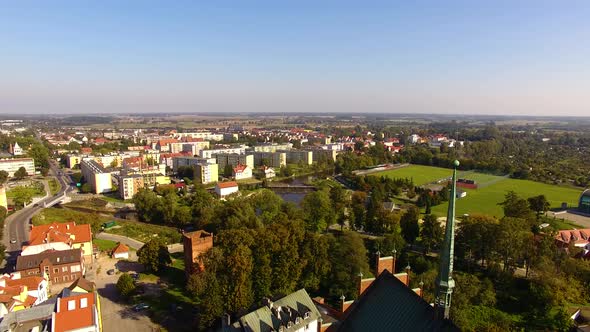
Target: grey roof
290 310
38 315
389 305
64 256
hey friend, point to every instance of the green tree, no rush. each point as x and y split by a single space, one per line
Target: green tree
344 272
3 177
432 232
318 210
21 196
476 238
409 224
358 201
154 255
125 285
228 170
539 204
86 188
515 206
21 173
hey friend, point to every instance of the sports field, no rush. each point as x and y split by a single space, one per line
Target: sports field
418 173
491 190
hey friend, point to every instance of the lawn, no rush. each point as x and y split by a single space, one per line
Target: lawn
136 230
35 189
104 245
491 192
54 186
418 173
485 200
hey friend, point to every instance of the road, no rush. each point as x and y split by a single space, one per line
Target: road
16 226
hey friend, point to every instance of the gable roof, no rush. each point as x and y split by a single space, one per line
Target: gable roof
85 284
64 257
68 320
240 168
389 305
291 308
229 184
32 283
120 248
577 236
60 232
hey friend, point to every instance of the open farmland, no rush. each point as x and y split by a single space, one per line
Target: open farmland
491 189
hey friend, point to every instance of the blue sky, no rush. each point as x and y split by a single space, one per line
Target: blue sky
465 57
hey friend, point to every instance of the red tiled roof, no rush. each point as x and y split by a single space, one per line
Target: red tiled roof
32 283
577 236
68 320
167 141
240 168
60 232
29 301
228 184
191 139
120 248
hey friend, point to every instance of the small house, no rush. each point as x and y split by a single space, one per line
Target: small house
223 189
121 251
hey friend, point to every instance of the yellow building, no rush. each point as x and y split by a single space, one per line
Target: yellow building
3 200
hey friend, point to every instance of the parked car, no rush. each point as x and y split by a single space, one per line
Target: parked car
111 272
140 307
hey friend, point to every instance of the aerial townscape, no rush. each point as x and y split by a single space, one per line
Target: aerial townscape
294 166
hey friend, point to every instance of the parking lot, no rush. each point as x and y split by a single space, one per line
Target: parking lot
116 314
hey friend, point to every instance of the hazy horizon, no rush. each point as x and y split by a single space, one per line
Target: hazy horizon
496 58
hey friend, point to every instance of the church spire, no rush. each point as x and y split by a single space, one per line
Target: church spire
444 281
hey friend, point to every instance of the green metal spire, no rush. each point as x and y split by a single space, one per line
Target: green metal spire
444 281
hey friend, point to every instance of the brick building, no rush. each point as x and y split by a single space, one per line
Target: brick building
195 244
61 266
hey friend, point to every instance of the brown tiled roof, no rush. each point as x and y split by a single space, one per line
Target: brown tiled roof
577 236
64 256
85 284
240 168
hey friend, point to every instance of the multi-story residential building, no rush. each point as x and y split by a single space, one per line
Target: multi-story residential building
321 154
204 135
296 156
12 165
234 159
77 312
207 173
36 286
163 145
295 312
3 198
129 185
272 159
195 147
241 172
195 244
60 266
76 236
272 147
210 153
99 179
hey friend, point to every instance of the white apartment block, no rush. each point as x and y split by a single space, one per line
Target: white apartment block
272 147
234 160
99 179
12 165
205 135
195 147
212 152
272 159
296 156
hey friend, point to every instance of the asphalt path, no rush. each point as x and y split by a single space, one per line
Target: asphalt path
16 226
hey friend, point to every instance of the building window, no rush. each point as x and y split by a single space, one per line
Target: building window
83 303
55 270
75 268
64 269
56 280
66 278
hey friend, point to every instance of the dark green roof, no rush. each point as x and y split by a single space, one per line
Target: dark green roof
296 308
389 305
